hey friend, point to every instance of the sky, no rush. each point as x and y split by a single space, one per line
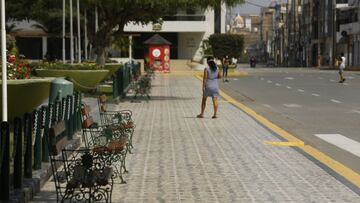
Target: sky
247 8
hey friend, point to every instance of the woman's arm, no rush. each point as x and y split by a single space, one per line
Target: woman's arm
205 76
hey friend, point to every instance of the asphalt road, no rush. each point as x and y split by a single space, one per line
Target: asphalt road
307 102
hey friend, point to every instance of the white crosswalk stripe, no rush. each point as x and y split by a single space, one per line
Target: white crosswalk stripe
342 142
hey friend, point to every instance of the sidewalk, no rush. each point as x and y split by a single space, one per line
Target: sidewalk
180 158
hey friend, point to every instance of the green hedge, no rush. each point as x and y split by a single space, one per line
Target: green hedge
230 45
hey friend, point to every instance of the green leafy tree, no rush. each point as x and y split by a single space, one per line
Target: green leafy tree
113 15
17 9
48 13
223 45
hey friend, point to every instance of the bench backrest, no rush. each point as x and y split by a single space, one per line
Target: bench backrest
102 103
87 120
55 145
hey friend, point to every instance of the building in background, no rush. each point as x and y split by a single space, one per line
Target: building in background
280 34
35 43
267 28
248 26
348 32
186 30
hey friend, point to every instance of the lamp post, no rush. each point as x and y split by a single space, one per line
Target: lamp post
63 33
85 36
78 29
333 33
3 64
71 34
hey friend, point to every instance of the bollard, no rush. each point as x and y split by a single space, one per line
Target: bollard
18 154
37 133
78 111
67 117
28 127
45 139
5 162
115 85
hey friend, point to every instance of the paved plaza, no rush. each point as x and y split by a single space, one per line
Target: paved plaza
180 158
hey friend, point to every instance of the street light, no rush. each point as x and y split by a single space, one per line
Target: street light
71 34
3 63
78 28
63 33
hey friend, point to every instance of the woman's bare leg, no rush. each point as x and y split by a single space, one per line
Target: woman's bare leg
216 105
203 105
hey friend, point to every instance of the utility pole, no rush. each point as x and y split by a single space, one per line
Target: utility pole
71 34
63 33
86 42
333 33
3 64
78 30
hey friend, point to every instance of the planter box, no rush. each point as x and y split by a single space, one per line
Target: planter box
84 80
112 69
26 95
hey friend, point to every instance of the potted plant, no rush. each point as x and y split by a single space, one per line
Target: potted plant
25 93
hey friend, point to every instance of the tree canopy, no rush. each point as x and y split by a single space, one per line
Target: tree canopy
113 15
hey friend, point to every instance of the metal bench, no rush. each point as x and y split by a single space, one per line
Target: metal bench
79 175
142 86
107 141
121 120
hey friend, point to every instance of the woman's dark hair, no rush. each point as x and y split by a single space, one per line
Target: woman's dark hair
211 63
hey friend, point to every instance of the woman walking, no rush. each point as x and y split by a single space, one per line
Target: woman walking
210 86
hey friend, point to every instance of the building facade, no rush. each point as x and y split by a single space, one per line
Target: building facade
348 32
249 27
186 30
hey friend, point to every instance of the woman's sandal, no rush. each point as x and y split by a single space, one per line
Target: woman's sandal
214 117
199 116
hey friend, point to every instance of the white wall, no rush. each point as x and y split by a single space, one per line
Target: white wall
170 26
223 18
189 45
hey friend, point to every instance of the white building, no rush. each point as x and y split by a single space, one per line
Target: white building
348 35
185 31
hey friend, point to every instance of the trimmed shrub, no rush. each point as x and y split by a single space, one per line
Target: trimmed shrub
83 66
230 45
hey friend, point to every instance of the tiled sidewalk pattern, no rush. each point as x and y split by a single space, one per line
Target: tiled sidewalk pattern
179 158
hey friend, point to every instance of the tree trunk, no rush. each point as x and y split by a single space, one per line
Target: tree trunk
100 57
102 40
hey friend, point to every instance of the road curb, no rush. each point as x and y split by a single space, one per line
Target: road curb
334 165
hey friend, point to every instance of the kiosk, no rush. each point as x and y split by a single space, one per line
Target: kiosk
158 53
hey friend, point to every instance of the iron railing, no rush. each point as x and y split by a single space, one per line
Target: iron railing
30 140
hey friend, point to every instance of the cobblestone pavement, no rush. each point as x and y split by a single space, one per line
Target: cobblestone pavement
180 158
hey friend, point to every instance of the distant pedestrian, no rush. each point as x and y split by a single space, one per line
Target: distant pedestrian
210 86
342 67
326 59
225 66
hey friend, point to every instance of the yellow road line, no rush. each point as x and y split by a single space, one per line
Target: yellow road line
338 167
200 73
285 144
